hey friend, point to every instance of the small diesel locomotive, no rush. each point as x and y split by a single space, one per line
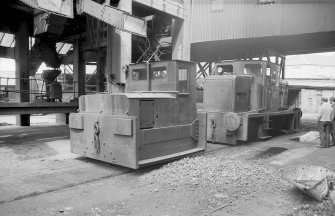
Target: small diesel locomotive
155 119
247 100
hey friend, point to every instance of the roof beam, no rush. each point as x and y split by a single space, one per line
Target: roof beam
285 45
167 6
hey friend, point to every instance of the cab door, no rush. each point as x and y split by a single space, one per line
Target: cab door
147 114
242 97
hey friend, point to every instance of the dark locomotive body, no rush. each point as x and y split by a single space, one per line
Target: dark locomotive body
247 100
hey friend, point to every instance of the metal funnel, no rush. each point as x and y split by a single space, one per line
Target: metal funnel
50 75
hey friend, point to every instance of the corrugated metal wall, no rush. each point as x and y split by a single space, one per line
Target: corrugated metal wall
233 19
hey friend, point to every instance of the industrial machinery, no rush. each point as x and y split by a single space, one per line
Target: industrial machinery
247 100
153 121
53 89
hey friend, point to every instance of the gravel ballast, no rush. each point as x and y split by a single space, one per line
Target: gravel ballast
231 176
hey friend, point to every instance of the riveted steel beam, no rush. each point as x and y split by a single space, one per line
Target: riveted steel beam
114 17
59 7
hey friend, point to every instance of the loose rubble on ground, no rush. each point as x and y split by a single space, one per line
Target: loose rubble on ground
217 180
223 180
321 209
231 176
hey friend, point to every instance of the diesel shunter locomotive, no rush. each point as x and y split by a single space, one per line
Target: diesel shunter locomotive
153 121
247 100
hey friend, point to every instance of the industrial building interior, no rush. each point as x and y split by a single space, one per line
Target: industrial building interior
165 107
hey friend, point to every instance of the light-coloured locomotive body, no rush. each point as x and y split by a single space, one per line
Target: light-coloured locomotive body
247 100
153 121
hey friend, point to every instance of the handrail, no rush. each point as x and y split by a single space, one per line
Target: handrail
40 91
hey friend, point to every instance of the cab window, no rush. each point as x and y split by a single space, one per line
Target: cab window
253 69
158 73
224 69
139 74
182 80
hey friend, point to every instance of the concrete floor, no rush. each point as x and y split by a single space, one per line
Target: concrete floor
39 176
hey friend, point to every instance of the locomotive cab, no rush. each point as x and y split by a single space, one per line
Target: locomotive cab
153 121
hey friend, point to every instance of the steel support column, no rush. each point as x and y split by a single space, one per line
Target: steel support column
22 69
100 78
79 70
118 52
177 38
100 63
282 64
181 38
